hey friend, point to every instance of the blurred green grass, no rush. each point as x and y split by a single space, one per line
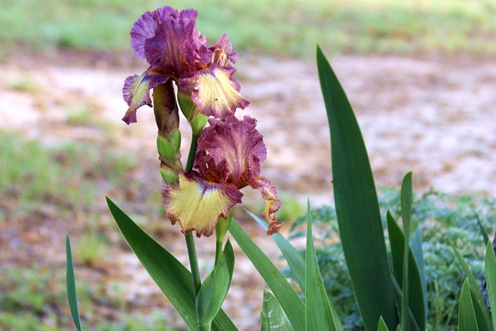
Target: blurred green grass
278 27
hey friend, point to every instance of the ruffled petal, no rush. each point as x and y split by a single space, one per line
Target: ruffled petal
214 90
222 52
143 29
197 203
136 91
176 46
272 203
230 151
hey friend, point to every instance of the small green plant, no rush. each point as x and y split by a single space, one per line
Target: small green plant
442 218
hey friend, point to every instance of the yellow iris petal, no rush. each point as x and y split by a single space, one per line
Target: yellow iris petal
197 206
217 93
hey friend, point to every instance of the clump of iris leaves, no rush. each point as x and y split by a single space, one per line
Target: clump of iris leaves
442 218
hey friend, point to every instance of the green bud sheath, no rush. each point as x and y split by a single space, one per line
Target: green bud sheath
191 111
169 136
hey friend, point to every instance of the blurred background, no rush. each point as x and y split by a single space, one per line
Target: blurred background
420 74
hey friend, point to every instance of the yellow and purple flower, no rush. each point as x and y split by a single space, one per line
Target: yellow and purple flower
173 47
228 158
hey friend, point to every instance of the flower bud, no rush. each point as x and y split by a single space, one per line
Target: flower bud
191 111
169 136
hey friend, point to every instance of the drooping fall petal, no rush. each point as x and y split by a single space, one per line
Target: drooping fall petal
214 90
197 203
230 151
136 91
272 203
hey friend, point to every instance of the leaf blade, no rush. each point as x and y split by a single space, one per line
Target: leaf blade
318 310
361 229
467 320
71 285
214 289
272 316
490 269
282 290
169 274
290 253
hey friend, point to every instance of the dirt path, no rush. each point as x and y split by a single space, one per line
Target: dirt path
433 117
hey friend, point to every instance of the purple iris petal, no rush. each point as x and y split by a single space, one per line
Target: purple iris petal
176 43
230 151
136 91
272 203
222 53
143 29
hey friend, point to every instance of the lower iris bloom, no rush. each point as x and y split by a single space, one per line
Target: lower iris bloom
228 158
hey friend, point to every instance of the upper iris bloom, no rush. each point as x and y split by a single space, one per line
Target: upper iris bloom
228 158
169 41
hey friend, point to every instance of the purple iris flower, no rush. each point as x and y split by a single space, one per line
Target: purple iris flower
173 47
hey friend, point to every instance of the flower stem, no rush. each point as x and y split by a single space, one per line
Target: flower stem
220 232
192 152
190 240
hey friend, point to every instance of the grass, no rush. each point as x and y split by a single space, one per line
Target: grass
47 190
279 27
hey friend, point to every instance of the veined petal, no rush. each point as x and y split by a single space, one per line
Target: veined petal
272 203
214 90
197 203
136 91
230 151
176 44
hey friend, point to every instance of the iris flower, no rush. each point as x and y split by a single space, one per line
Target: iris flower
173 47
228 158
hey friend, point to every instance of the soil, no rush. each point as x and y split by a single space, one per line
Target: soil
433 116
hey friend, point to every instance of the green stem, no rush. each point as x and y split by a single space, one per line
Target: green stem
193 261
218 251
190 240
192 152
204 327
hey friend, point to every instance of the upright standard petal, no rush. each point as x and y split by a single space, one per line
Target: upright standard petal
197 203
143 29
230 151
214 90
222 52
272 203
136 91
176 44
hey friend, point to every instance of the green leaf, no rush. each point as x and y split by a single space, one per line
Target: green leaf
169 274
467 320
318 312
483 231
283 291
214 290
272 317
416 300
295 260
416 247
478 303
490 266
382 325
406 211
71 285
357 206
